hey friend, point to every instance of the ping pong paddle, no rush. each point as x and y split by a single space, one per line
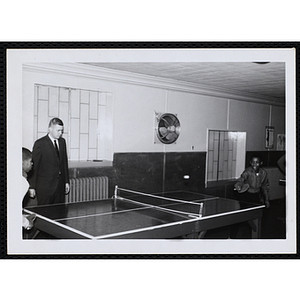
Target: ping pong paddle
244 188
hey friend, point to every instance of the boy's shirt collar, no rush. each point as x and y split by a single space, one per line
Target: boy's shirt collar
252 170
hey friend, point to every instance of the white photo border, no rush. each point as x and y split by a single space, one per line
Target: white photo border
17 246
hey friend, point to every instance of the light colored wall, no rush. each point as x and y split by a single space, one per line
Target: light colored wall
134 115
134 107
252 118
197 114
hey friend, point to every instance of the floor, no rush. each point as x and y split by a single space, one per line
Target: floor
272 227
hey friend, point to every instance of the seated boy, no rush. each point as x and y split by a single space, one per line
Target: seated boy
257 179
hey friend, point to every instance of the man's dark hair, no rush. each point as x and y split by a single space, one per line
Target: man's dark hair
56 121
26 154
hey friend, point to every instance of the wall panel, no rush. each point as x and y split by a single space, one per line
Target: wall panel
156 172
53 102
139 171
197 114
251 118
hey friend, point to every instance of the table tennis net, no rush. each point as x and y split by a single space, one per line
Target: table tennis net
193 209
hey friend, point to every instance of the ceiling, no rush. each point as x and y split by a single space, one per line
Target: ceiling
261 80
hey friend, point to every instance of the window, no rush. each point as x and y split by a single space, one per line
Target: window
226 154
87 117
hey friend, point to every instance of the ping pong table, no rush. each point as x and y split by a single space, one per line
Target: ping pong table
135 215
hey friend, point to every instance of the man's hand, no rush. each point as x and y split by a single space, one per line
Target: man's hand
267 203
67 190
28 221
32 193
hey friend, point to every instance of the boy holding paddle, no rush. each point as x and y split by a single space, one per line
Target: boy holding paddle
255 181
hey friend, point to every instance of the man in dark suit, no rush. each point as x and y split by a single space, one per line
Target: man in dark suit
50 179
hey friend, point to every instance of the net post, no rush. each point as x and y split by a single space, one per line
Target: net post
201 209
116 192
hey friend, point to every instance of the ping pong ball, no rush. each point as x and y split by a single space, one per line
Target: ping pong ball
186 176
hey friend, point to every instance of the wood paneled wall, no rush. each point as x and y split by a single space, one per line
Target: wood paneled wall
156 172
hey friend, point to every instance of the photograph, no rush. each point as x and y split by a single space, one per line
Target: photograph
151 151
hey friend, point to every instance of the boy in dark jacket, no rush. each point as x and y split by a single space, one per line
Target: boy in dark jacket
257 179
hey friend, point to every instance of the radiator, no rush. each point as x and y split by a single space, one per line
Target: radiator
87 189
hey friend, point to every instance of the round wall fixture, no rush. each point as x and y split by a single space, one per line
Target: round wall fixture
168 128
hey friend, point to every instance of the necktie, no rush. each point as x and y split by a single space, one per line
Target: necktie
56 148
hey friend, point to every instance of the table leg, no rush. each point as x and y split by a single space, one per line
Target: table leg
195 235
201 234
256 228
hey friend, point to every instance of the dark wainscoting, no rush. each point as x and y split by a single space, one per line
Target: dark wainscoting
139 171
223 189
185 164
156 172
152 172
